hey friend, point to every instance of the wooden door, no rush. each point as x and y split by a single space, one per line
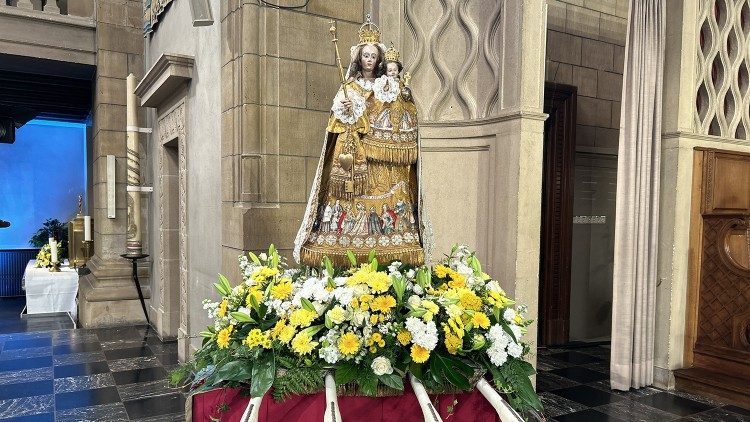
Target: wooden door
557 214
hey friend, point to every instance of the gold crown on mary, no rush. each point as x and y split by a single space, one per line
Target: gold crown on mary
392 55
369 33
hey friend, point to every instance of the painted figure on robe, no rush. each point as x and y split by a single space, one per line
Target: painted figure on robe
366 194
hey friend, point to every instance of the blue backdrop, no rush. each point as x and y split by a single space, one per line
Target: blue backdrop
41 176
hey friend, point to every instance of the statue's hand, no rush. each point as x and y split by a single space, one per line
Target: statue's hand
347 103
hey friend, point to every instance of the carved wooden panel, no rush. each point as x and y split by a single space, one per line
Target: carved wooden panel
726 183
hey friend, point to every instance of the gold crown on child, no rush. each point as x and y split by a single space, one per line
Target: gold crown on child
369 33
392 55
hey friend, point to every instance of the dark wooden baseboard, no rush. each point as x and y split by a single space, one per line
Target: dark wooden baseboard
715 385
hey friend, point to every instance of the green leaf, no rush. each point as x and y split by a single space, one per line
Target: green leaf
254 303
264 371
242 317
236 370
308 305
451 369
274 254
475 265
352 258
206 334
368 383
393 381
371 255
254 258
345 373
328 322
225 284
329 266
399 285
374 264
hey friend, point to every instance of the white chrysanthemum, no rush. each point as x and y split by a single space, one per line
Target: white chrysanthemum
340 281
509 314
517 332
498 336
344 295
497 355
381 366
422 333
515 350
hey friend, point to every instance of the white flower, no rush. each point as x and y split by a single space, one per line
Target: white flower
517 332
393 268
497 355
332 315
359 317
381 366
411 274
330 354
498 337
418 289
422 333
344 295
515 350
263 256
414 301
509 314
494 286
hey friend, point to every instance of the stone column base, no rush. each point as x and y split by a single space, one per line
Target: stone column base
108 297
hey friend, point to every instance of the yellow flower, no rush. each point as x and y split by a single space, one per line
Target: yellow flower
360 276
383 304
303 344
432 309
222 340
337 314
480 320
499 300
286 334
518 319
302 318
457 280
349 344
254 338
281 290
354 303
264 273
452 343
441 271
276 330
419 354
404 337
379 282
374 319
457 326
469 300
223 308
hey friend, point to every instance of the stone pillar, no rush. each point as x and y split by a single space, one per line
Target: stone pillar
279 78
108 296
477 76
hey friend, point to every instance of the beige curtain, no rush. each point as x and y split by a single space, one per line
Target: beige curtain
637 219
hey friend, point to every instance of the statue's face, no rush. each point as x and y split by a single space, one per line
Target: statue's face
391 69
369 57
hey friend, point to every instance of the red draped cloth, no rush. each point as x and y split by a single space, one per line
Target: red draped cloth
226 405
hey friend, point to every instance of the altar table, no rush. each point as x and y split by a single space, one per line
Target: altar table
48 292
226 405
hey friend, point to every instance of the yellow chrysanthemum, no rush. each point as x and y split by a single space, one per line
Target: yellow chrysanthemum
457 280
379 282
281 291
441 271
457 326
480 320
499 300
303 344
264 273
374 319
349 344
452 343
222 339
419 354
222 308
360 276
383 304
404 337
286 334
276 330
302 318
470 300
376 340
254 338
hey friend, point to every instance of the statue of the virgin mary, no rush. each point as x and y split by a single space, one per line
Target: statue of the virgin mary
366 193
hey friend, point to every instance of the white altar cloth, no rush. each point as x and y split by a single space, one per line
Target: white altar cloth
48 292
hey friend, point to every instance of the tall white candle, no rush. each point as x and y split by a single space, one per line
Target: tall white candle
53 247
86 227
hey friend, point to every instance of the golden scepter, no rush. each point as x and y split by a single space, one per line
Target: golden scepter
346 160
335 41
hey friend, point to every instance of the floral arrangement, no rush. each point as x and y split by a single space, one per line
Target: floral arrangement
370 324
44 257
